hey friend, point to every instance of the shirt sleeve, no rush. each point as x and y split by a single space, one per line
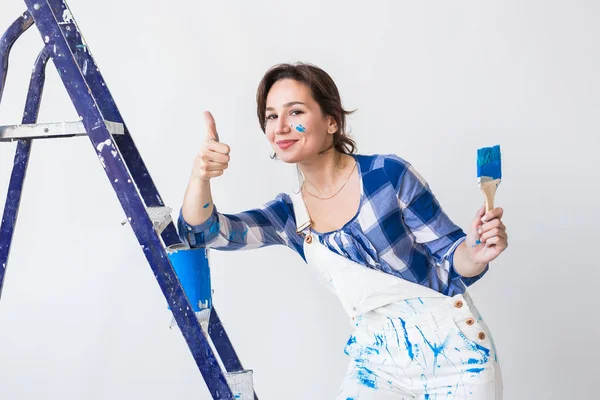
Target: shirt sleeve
272 224
427 222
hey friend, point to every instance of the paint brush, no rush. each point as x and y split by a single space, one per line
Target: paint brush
489 173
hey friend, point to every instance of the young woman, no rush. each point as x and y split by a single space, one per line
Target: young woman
374 232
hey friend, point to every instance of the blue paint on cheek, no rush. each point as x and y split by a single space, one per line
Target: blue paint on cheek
300 128
206 205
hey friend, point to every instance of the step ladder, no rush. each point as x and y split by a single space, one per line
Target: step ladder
150 220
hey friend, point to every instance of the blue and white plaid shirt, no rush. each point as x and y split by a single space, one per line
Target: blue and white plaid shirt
399 228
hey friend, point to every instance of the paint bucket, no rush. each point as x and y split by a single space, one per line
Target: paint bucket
192 270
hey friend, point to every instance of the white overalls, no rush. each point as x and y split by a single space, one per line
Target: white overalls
410 342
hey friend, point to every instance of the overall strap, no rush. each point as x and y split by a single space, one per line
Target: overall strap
303 221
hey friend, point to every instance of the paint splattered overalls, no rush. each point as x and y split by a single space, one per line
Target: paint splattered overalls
410 342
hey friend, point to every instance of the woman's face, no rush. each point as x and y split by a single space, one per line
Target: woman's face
296 127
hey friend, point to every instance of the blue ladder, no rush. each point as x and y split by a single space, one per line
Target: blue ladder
101 121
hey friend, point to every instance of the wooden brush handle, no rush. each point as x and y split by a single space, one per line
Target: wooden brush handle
489 191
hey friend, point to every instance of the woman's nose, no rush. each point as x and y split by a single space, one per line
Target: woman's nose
283 127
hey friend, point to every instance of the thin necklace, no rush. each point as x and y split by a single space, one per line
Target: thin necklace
327 198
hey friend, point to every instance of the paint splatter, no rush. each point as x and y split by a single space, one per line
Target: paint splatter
395 331
407 342
351 341
425 383
300 128
366 377
475 347
206 205
101 145
436 349
475 370
379 340
411 306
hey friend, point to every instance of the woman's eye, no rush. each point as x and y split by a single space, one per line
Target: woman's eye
272 116
296 112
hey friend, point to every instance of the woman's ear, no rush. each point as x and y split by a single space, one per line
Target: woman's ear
332 126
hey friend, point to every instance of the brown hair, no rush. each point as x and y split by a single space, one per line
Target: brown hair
324 91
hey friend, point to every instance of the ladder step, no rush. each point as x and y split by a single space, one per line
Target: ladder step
160 217
10 133
241 384
203 317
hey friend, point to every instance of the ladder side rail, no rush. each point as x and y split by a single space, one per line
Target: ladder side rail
73 77
224 347
8 39
21 161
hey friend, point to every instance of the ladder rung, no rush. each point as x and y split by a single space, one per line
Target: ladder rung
241 384
10 133
160 217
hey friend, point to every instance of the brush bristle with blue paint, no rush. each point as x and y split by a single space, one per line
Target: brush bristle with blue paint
489 173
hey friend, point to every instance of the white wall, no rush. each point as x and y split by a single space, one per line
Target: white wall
81 315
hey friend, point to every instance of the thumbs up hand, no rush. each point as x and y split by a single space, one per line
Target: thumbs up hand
213 157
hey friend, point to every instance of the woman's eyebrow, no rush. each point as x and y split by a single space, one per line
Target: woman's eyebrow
286 105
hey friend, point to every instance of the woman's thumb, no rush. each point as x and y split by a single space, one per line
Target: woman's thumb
211 126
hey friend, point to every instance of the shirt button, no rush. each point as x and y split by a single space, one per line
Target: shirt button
458 304
353 308
470 321
481 336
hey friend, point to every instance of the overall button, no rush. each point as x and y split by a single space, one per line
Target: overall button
470 321
458 304
481 335
308 239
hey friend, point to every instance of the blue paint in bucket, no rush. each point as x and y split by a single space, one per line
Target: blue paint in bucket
191 267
